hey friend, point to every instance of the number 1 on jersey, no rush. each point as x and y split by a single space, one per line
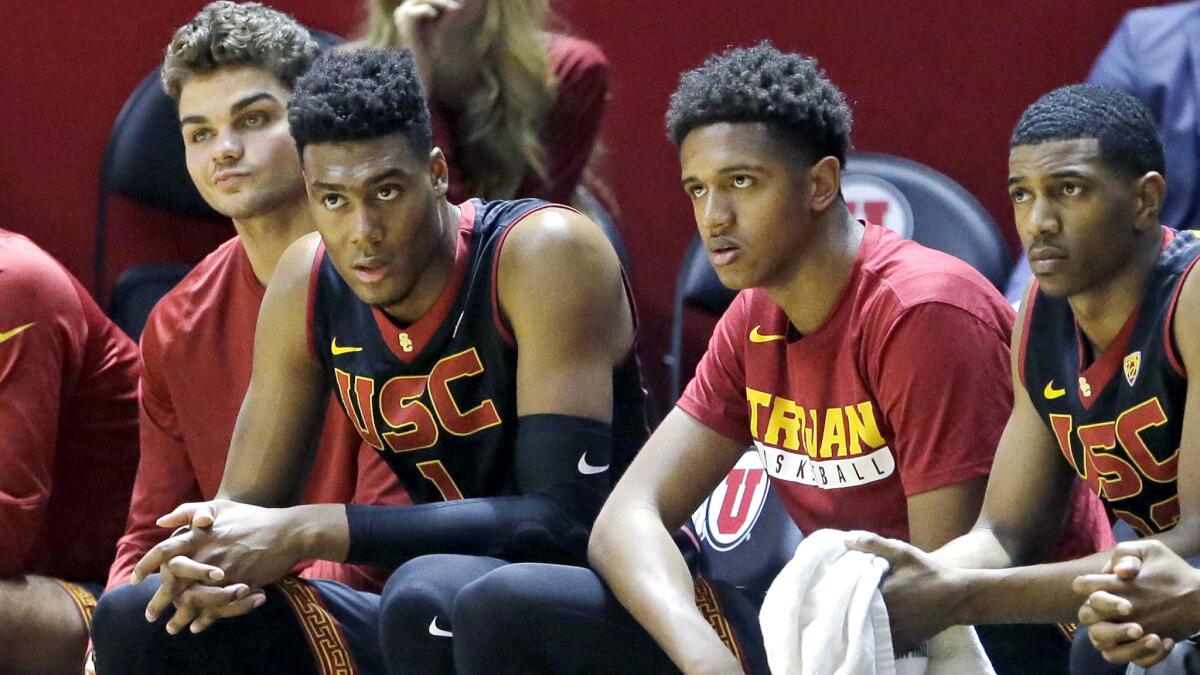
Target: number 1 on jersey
437 474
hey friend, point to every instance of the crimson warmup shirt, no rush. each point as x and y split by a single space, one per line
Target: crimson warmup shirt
905 388
197 353
568 133
68 415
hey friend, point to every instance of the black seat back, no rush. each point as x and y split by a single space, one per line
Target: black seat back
137 291
928 207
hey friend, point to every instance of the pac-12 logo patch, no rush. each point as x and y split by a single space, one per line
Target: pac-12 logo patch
1132 363
726 518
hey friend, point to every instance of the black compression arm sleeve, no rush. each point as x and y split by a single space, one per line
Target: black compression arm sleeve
562 475
518 528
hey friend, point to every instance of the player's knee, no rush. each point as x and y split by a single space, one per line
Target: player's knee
498 598
120 617
413 595
41 627
486 612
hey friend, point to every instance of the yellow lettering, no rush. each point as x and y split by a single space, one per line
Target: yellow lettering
834 433
757 399
810 433
784 418
862 427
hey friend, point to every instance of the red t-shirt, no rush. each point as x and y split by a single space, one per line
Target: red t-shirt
68 411
568 133
197 353
904 388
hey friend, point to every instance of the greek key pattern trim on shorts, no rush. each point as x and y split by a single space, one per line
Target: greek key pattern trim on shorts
85 602
710 606
324 635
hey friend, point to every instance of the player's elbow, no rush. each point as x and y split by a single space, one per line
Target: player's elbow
1184 538
602 534
617 524
1018 544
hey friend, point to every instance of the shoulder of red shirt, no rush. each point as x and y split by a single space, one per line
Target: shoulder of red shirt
28 267
206 286
904 274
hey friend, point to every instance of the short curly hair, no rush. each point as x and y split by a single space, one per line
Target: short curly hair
788 92
231 34
363 94
1120 123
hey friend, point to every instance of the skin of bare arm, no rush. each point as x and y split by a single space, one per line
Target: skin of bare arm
971 580
570 339
631 547
275 439
940 515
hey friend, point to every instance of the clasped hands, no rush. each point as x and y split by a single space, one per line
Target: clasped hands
218 562
1143 601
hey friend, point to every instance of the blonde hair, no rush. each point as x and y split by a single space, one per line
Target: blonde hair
503 119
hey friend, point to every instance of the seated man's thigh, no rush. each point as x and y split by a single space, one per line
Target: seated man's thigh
293 632
1184 660
554 618
1027 649
42 625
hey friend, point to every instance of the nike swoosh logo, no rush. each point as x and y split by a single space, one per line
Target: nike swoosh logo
8 335
438 632
1051 393
755 336
590 469
338 351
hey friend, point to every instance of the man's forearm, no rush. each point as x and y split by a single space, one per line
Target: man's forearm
1035 593
644 569
528 527
321 530
996 592
993 591
1032 594
275 440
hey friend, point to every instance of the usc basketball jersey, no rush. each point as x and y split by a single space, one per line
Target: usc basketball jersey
437 399
1118 419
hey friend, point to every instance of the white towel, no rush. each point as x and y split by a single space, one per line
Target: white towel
824 615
